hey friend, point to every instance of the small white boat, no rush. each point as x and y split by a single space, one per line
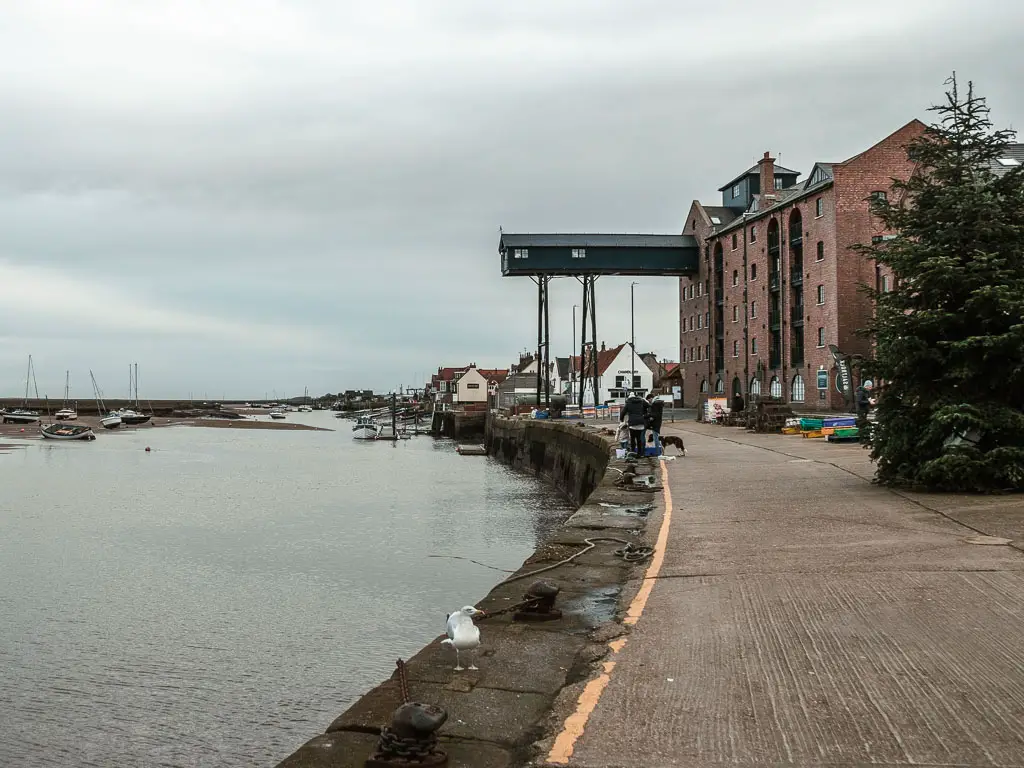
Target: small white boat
277 414
20 416
305 409
67 432
66 412
128 416
111 421
365 429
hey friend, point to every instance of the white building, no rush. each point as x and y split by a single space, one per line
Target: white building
619 373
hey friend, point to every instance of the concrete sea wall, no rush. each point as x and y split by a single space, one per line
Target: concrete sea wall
499 714
572 457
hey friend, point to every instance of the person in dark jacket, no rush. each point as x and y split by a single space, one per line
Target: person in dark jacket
634 413
655 414
737 403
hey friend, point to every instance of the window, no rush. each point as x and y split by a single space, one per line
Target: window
719 387
700 322
693 223
796 390
735 277
735 349
819 208
735 314
705 286
885 283
821 251
521 253
636 382
735 193
473 385
821 337
879 197
753 271
734 241
699 355
753 309
755 387
778 182
700 289
775 387
753 234
707 351
691 322
691 290
707 319
684 354
716 221
704 385
579 253
821 294
1008 162
753 346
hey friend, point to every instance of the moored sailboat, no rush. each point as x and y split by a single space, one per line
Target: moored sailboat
112 420
23 415
66 412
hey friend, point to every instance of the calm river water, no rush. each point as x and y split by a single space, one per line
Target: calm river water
219 600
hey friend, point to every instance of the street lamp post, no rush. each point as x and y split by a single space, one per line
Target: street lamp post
572 368
632 335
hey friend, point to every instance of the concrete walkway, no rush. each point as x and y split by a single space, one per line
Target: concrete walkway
802 616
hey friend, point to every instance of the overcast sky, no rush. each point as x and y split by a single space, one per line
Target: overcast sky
249 196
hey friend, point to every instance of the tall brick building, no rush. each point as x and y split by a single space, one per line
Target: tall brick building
778 280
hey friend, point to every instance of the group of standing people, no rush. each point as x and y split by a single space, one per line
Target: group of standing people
639 415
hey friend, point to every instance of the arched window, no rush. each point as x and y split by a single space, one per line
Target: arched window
755 387
704 385
797 390
737 387
719 386
775 387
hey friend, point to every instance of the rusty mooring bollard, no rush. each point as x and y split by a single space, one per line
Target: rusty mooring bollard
411 739
542 595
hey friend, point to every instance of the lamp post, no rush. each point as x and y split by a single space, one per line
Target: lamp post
632 335
572 368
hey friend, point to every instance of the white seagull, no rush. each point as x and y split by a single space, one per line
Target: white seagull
463 634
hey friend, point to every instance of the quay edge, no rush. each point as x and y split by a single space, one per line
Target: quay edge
498 714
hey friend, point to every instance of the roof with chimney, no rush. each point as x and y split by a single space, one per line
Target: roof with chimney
755 170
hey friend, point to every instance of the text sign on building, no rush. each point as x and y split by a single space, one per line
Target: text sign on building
822 379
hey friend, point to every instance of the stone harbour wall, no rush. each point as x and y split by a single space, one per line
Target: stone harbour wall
572 457
500 715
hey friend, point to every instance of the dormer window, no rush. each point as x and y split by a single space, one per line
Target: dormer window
778 182
735 190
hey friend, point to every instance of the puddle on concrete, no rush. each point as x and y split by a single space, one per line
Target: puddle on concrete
595 607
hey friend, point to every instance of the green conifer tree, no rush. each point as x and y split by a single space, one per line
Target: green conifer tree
949 337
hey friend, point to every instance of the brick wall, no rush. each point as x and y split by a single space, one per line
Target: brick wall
845 219
690 309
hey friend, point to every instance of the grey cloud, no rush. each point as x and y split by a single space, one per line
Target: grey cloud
336 172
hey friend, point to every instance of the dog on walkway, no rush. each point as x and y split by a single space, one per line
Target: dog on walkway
667 440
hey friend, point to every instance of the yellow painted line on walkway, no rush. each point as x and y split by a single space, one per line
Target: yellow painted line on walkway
572 729
636 608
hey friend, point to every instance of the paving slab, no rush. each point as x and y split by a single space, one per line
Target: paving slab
516 657
350 750
804 617
898 668
482 714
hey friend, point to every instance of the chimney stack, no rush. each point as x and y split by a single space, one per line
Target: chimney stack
766 166
603 347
